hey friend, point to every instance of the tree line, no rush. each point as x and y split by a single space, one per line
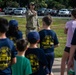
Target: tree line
57 4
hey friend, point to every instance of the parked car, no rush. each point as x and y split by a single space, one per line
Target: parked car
0 9
41 11
48 11
54 12
63 12
70 10
9 10
20 11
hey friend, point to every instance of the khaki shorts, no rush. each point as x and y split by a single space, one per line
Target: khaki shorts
28 30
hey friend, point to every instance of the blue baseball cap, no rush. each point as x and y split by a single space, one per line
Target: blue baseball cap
13 23
33 36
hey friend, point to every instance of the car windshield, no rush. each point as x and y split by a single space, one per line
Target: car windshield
64 10
9 9
19 9
43 9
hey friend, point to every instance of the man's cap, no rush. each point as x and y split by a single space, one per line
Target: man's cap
32 3
13 23
33 36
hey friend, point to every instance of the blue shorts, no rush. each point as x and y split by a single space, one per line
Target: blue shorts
50 60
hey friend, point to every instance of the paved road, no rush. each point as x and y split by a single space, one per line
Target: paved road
56 66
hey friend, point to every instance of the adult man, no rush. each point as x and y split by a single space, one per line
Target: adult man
32 19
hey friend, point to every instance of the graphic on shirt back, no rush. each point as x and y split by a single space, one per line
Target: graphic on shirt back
13 39
34 62
5 57
47 42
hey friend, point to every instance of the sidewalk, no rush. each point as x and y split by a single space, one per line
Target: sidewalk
56 66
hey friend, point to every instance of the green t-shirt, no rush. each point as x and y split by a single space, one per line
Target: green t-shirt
22 66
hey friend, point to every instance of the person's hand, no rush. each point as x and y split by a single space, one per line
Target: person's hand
38 28
70 64
34 12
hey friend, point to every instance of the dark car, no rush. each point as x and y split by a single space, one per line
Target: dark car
54 12
48 11
41 11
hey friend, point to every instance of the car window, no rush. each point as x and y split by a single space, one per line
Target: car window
9 9
19 9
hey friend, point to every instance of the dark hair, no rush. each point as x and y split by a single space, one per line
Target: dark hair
21 45
3 25
47 20
74 13
12 31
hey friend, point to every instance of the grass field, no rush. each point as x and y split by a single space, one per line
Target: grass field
57 25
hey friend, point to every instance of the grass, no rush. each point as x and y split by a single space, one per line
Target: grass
57 25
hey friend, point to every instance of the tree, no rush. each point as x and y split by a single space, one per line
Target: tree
12 4
72 3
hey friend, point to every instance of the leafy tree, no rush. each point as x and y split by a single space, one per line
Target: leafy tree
43 3
12 4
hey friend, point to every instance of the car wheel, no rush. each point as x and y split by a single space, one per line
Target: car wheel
5 13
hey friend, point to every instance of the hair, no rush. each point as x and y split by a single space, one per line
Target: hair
3 25
21 45
74 13
47 20
12 31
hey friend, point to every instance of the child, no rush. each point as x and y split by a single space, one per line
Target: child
7 49
36 55
22 66
69 30
14 33
48 41
72 54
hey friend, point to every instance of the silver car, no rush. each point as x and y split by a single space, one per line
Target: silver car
9 10
63 12
48 11
20 11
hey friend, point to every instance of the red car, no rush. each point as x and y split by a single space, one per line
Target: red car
0 9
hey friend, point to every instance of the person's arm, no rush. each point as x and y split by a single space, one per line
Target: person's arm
13 57
56 45
38 25
66 27
71 56
31 13
56 42
65 30
13 60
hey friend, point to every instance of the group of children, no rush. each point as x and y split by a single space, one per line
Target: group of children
19 59
16 55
